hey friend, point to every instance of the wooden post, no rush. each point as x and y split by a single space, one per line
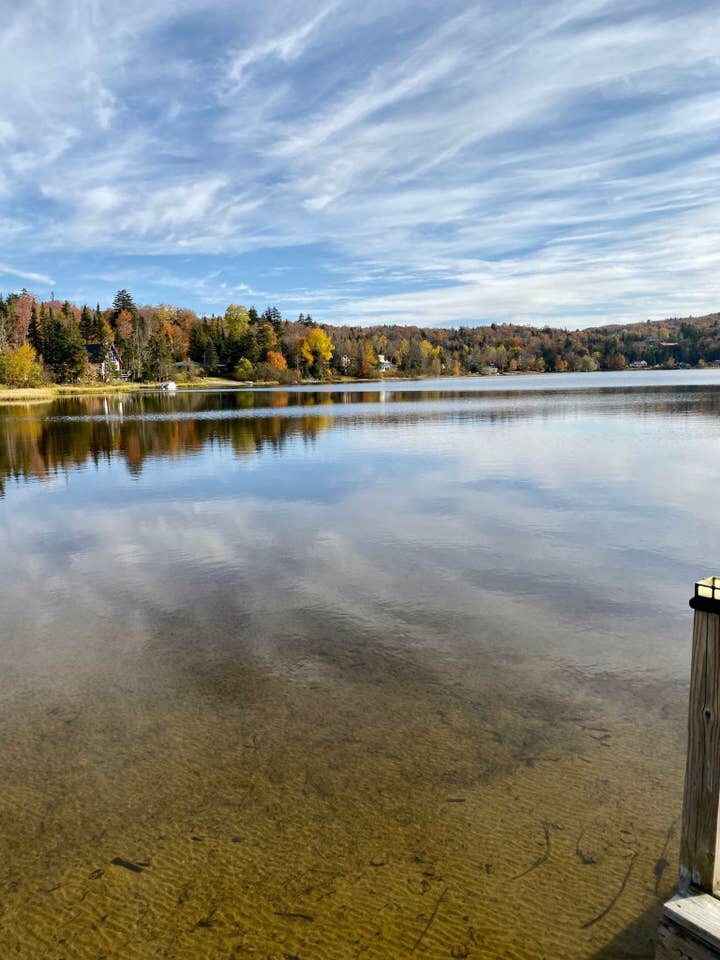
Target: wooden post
699 862
690 925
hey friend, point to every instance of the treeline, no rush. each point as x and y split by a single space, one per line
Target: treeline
47 341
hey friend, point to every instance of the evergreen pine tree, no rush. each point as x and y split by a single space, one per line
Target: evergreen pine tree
35 332
123 301
210 360
158 361
53 337
75 352
98 328
198 343
87 324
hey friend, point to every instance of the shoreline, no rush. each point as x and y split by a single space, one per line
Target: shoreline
11 395
57 390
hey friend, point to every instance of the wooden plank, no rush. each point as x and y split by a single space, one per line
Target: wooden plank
674 943
699 914
699 842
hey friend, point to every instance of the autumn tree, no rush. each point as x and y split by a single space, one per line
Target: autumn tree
5 325
276 360
20 367
124 325
237 321
413 359
20 305
243 370
431 358
367 360
266 337
316 350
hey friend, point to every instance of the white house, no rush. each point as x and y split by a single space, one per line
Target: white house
384 365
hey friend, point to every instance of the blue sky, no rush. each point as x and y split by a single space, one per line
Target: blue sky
431 163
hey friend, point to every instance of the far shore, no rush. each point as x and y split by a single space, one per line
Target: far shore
55 391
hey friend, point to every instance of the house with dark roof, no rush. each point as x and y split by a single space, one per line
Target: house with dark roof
105 360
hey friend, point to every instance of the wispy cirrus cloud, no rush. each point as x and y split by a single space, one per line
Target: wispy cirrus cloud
285 46
9 271
552 163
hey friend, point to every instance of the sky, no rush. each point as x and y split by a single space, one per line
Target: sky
438 164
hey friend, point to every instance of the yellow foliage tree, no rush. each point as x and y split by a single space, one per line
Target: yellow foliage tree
431 357
316 350
237 320
20 367
367 361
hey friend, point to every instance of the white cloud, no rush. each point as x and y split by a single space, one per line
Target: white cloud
7 270
286 46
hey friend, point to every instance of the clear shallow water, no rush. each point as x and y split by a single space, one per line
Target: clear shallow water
378 672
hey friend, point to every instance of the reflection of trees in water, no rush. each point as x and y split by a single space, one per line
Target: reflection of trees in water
40 440
37 441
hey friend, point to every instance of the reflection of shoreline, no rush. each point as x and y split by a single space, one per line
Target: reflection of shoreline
40 448
71 432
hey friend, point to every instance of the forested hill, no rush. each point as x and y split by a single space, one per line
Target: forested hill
44 341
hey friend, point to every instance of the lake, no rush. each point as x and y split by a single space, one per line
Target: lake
376 671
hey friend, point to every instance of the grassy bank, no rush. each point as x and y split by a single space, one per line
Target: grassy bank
53 391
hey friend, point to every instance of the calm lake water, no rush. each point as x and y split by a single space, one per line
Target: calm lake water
397 670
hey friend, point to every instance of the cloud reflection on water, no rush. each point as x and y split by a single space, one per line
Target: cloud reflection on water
567 526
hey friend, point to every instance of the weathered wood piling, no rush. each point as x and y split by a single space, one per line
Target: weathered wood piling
690 925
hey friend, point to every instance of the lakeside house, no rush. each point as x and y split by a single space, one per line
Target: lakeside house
384 365
104 360
638 364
